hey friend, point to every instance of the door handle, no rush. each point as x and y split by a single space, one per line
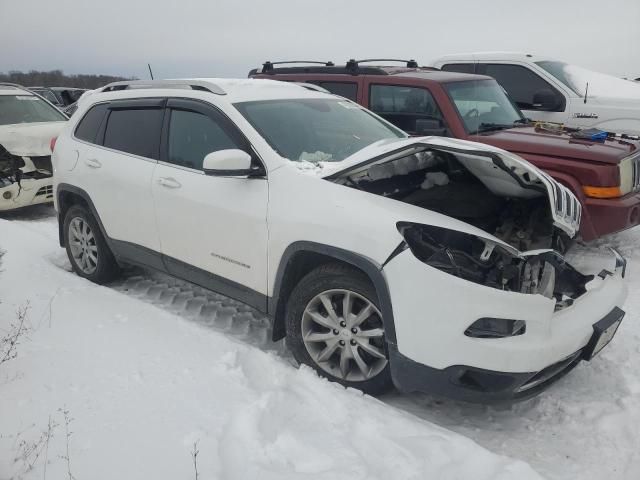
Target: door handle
92 162
169 182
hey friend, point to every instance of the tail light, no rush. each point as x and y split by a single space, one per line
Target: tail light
52 143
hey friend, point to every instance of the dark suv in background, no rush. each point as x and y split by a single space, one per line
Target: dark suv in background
604 175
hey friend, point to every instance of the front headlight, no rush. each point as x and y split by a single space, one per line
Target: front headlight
629 172
478 260
461 254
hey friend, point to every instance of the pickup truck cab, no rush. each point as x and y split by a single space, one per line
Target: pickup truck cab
604 175
554 91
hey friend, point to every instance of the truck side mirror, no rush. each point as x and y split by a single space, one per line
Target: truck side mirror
545 100
429 127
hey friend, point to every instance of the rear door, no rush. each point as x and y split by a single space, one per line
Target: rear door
213 230
115 167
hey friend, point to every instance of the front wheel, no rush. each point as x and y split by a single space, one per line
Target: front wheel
334 325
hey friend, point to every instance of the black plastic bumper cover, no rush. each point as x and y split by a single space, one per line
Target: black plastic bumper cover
476 385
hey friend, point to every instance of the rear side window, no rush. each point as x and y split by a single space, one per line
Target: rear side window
346 90
89 126
459 67
192 136
521 84
135 131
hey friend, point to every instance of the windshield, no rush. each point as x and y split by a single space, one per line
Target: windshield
316 129
600 84
483 105
27 109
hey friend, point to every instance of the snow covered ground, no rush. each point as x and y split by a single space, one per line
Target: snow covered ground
146 368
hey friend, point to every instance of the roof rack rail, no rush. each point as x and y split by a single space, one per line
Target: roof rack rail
353 64
268 66
192 84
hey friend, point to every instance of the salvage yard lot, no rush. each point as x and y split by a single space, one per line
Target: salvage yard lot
150 366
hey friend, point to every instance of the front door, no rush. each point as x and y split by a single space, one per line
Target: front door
213 230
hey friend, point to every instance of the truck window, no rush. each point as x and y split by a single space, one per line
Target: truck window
404 106
459 67
522 85
344 89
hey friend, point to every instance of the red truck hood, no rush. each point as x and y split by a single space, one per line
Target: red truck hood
525 140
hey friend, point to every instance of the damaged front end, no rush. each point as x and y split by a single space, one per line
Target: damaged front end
494 265
24 180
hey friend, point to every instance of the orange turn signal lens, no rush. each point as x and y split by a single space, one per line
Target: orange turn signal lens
602 192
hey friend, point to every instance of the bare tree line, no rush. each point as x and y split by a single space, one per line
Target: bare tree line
57 78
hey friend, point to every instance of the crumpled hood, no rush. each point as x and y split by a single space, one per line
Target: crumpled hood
528 140
481 160
29 139
382 147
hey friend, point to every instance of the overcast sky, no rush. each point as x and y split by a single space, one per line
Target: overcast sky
226 38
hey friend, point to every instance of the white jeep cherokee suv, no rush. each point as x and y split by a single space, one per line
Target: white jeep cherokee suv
383 259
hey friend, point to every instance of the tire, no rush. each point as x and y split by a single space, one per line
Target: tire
87 249
340 358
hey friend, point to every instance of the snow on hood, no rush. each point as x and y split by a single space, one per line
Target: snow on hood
382 147
601 85
29 139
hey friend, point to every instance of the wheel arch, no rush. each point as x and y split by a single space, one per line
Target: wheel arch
301 257
68 196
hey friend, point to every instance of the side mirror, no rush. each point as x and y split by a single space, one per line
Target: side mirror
429 127
227 163
545 100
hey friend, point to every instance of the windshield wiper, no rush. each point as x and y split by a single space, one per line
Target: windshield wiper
523 121
489 127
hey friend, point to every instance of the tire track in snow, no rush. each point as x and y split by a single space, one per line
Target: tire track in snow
197 304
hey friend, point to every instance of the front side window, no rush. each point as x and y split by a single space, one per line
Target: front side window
523 85
483 105
401 99
404 106
192 136
27 109
135 131
315 129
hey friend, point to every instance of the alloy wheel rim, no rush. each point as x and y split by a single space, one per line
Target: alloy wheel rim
82 244
344 335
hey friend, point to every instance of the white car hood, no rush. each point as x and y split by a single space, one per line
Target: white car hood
29 139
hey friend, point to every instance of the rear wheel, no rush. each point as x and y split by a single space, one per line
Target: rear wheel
87 249
334 325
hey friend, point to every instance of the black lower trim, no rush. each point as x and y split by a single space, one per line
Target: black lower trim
135 254
216 283
475 385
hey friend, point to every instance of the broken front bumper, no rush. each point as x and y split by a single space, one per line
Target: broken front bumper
29 192
433 309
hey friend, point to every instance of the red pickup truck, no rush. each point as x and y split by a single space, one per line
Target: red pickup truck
604 175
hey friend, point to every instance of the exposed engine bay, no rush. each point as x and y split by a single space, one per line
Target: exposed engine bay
514 206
